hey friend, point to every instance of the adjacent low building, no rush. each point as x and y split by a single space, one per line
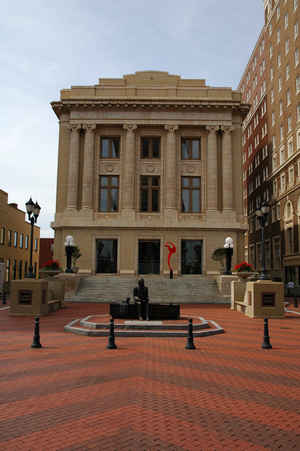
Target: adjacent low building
15 240
147 159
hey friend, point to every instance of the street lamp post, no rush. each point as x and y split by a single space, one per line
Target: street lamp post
33 211
262 214
69 246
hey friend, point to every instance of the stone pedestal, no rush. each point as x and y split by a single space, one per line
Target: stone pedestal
259 299
71 283
224 284
29 297
265 299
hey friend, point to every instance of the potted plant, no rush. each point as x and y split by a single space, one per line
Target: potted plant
244 270
76 254
50 268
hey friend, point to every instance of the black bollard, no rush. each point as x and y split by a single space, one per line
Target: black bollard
3 297
111 337
266 343
171 274
295 302
190 338
36 337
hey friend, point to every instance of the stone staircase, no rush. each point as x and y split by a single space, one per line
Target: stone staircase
182 290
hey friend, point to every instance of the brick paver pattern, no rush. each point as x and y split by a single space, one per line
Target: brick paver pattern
150 393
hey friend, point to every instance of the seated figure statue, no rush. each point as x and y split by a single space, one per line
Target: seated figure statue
141 298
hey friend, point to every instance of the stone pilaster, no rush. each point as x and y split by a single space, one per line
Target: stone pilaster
212 168
128 185
88 166
171 168
227 168
73 175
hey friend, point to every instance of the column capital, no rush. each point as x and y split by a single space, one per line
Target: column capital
171 128
211 128
227 129
89 127
130 127
73 127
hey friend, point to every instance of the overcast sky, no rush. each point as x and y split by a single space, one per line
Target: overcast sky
46 46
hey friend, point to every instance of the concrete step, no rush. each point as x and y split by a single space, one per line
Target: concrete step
161 290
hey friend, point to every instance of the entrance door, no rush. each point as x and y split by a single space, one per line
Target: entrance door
191 256
106 256
149 256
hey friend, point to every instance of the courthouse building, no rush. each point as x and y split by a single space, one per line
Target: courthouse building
147 159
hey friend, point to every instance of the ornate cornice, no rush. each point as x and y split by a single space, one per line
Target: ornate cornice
66 106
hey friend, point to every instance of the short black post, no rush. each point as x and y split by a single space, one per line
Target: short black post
266 343
295 302
3 296
171 274
190 338
111 337
36 337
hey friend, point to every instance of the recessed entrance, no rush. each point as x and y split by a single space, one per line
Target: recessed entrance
191 256
106 256
149 257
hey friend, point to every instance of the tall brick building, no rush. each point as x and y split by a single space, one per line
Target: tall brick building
271 139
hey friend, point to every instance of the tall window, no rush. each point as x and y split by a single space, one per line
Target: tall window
26 241
191 194
109 193
21 240
9 238
2 235
110 148
150 147
150 189
15 239
190 148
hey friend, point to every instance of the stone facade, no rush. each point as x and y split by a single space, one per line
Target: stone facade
147 159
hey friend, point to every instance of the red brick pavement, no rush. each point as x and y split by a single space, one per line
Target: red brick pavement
150 393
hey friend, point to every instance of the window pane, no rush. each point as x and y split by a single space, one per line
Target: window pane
196 181
104 181
184 149
144 200
185 181
115 148
144 180
103 200
114 181
155 181
114 199
185 200
104 148
195 149
196 201
155 200
145 148
155 147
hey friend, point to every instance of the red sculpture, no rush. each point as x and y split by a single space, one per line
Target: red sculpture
172 249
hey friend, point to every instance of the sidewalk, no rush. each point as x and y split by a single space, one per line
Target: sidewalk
150 393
